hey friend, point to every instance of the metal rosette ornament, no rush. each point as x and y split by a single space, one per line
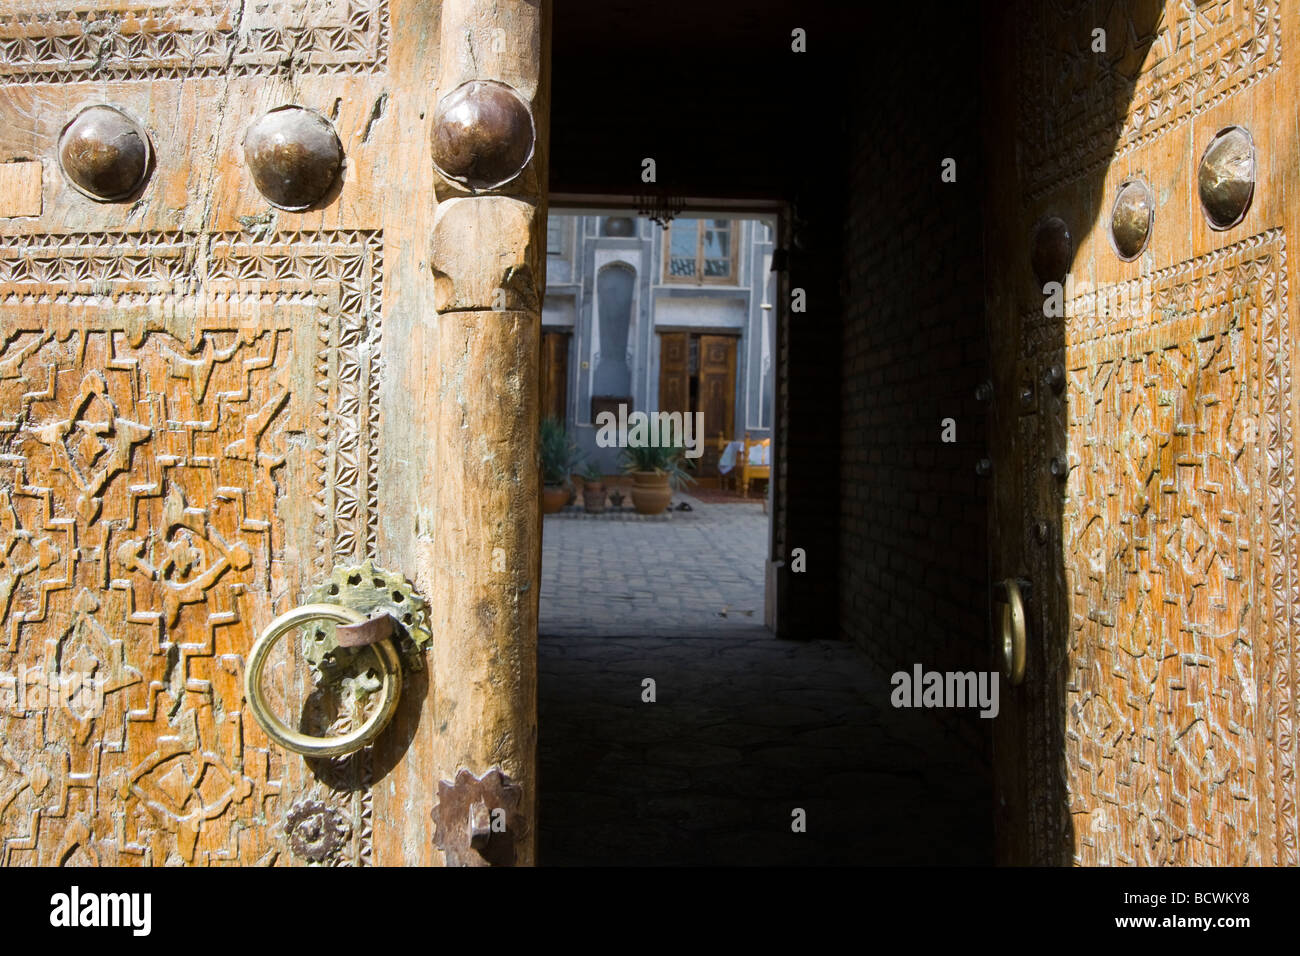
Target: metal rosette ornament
316 832
372 591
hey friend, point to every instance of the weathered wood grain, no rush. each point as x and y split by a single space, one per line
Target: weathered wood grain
207 402
1156 722
20 188
487 542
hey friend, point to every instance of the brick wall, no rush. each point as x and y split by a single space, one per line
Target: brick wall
913 584
807 438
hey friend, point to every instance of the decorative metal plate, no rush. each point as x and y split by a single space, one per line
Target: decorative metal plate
1131 219
1226 177
317 833
370 590
469 813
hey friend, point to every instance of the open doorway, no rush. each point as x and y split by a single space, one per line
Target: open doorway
675 726
670 733
645 324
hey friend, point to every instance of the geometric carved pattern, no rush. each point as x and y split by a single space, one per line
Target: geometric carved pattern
163 397
1181 556
64 41
1081 109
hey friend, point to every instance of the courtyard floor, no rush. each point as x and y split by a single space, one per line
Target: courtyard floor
745 729
700 569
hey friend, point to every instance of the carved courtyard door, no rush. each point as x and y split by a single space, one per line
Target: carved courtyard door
1143 461
253 259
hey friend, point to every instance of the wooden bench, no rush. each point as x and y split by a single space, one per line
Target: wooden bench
742 473
719 446
748 472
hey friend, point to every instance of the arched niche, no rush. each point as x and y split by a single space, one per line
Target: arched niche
615 298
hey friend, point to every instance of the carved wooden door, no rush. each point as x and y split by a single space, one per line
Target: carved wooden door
675 373
717 394
269 280
554 375
1143 461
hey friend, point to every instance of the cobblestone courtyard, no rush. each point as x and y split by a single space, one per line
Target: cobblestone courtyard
697 569
745 728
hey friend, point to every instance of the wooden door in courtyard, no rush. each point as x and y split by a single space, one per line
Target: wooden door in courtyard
717 392
1143 428
253 264
554 374
697 373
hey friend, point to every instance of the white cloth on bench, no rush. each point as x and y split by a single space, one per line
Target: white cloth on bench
758 455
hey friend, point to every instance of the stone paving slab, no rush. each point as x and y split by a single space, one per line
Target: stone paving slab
711 771
702 570
745 728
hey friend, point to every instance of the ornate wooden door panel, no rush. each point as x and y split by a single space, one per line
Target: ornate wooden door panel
1145 431
674 372
554 374
208 400
717 399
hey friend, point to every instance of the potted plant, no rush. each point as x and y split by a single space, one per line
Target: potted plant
656 470
593 490
557 452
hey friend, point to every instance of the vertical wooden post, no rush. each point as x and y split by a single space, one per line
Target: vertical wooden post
487 261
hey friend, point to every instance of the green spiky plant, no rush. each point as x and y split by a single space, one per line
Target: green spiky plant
664 459
557 451
594 493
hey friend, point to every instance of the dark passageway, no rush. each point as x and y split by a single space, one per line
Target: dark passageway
745 730
749 727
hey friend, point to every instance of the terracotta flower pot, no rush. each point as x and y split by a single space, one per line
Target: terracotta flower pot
593 497
650 492
554 498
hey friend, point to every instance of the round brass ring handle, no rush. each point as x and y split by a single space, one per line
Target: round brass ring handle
302 743
1013 633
